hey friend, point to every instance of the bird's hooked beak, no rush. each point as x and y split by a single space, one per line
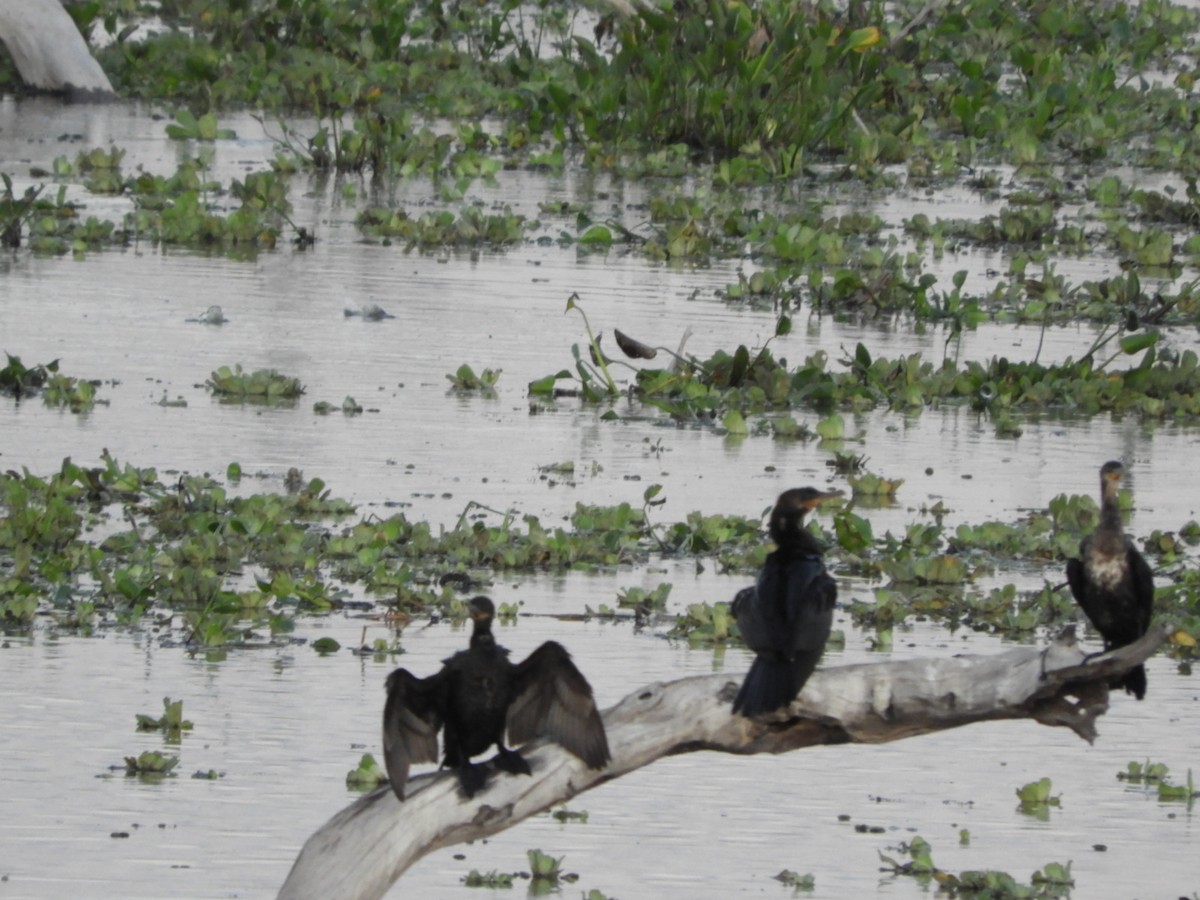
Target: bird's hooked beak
480 612
820 497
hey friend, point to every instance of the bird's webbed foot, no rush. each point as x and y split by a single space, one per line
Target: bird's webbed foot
512 762
472 778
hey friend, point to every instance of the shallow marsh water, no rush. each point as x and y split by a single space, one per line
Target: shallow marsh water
284 725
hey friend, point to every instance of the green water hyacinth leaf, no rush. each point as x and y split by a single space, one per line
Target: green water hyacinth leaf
796 880
634 597
465 380
990 883
189 128
831 428
1054 874
597 236
1183 792
543 865
151 763
734 424
326 645
1037 793
871 485
1136 343
492 879
853 532
789 429
171 721
545 387
920 858
1144 773
262 383
366 776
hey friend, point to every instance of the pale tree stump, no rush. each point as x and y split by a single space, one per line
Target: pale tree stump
49 52
364 849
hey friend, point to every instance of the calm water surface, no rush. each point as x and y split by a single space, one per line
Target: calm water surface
285 725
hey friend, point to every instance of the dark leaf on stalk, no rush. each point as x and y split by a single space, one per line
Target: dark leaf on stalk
631 348
597 354
783 326
741 362
862 356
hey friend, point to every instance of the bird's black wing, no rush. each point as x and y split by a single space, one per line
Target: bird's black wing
1076 579
552 699
811 597
758 623
1143 588
412 716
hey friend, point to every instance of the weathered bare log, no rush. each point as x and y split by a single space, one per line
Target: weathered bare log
49 52
361 851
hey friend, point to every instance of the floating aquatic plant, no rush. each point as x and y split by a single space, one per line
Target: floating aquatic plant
1144 772
795 880
18 380
565 815
1036 799
188 127
171 722
1185 793
262 384
151 765
492 879
544 866
366 776
465 380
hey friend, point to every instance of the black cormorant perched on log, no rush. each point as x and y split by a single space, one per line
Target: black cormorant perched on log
787 616
1112 582
479 694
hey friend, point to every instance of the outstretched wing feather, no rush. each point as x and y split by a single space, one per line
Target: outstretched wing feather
411 720
553 700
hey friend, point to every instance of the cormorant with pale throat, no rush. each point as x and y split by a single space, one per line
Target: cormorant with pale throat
1112 582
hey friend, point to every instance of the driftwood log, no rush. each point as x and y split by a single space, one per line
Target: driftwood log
49 52
364 849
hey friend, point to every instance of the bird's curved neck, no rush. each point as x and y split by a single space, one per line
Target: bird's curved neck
481 635
1110 511
794 539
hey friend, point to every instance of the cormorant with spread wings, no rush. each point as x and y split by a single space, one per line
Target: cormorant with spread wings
477 696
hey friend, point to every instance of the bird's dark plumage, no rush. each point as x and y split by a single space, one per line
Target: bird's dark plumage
477 696
1112 582
787 616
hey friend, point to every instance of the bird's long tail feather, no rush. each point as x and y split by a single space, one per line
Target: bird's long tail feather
1135 681
769 685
